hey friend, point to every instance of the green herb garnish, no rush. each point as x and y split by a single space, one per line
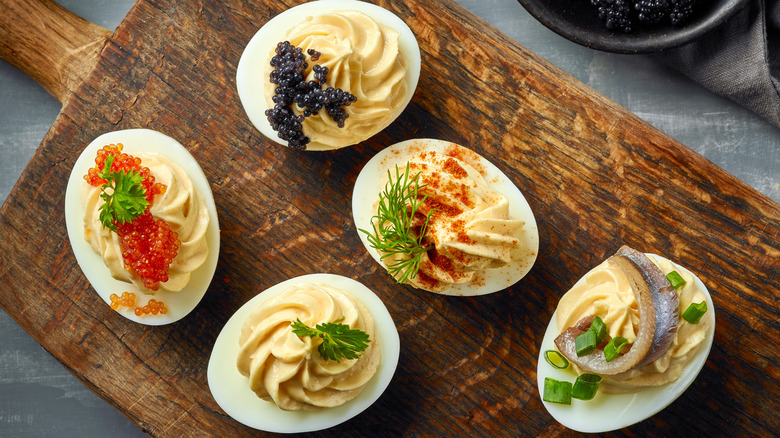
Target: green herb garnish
392 226
127 198
585 386
694 312
338 340
556 391
585 343
612 349
556 359
600 328
675 279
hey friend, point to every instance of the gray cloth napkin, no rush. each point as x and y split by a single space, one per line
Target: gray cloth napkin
739 60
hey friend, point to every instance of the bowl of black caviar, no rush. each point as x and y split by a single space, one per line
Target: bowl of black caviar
632 26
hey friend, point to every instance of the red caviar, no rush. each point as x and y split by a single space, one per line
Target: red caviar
122 162
127 299
148 244
153 306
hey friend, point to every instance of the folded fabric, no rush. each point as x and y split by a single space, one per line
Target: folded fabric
739 60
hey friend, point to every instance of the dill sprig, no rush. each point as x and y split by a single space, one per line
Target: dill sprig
338 340
392 232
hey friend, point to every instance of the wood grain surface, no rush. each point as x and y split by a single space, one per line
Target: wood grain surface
595 175
53 46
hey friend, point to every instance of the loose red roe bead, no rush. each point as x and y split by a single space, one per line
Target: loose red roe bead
126 300
114 301
153 306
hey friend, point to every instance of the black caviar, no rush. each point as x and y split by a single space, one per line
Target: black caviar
616 14
681 10
288 74
621 15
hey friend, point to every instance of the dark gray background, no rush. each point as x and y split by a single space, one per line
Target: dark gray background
38 397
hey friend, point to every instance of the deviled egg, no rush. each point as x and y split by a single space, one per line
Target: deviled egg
154 266
440 217
269 376
342 71
663 335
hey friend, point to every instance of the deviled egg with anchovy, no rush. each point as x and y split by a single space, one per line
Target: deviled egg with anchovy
624 342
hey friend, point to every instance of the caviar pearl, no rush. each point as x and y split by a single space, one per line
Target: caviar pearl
289 75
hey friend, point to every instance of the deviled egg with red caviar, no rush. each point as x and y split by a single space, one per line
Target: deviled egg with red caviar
328 74
442 218
624 342
304 355
142 224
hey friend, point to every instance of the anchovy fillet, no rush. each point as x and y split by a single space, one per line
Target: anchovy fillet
658 316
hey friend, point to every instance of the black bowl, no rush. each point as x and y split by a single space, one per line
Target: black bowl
578 21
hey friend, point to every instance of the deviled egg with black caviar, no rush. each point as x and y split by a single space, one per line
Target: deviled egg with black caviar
442 218
624 342
142 224
304 355
328 74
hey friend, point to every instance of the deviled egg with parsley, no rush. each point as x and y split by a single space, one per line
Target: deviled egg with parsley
142 224
306 354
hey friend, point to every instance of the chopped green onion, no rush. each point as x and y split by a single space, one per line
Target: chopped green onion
557 391
556 359
585 386
586 343
600 328
694 312
676 280
612 350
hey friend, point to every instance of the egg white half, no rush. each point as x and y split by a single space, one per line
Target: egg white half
251 72
370 182
180 303
606 412
231 389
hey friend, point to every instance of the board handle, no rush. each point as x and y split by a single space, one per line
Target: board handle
50 44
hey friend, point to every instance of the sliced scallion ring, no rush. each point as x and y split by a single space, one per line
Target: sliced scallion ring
676 279
612 349
557 391
694 312
556 359
585 386
600 328
586 343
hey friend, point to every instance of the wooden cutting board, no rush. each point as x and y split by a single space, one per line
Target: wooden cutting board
595 175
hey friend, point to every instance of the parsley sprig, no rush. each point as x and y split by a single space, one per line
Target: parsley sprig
338 340
127 198
392 225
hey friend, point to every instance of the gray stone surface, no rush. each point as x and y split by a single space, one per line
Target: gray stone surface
38 397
